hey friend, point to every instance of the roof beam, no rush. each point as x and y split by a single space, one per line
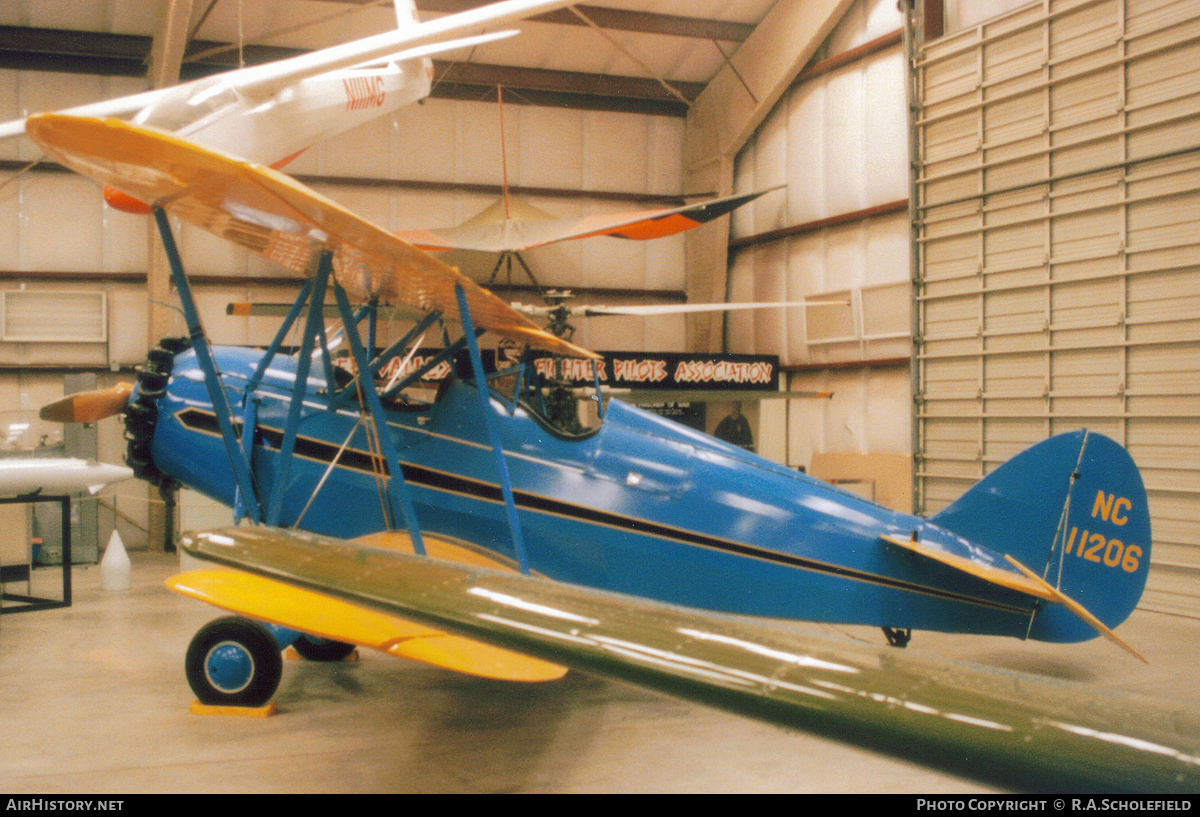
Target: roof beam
639 22
170 41
725 115
721 121
464 80
83 52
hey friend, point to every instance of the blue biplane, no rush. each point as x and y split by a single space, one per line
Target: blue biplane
1054 545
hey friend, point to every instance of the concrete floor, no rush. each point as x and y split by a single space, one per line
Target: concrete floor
93 700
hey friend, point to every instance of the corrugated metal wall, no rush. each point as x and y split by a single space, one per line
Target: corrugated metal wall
1059 253
839 143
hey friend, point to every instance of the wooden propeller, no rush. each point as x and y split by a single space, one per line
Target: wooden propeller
88 406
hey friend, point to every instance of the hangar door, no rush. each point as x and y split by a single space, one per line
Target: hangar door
1057 190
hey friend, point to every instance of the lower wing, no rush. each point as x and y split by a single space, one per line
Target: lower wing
1019 731
298 609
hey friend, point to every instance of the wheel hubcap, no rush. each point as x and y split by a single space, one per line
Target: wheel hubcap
229 667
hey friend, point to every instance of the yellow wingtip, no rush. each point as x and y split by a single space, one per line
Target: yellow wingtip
476 658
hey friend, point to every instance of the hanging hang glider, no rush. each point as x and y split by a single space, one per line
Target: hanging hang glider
512 225
1053 545
270 113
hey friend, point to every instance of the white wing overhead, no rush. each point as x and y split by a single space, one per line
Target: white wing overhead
267 79
262 81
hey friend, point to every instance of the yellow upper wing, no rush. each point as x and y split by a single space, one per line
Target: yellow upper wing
275 216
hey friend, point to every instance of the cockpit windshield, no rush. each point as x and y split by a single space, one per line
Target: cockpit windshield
176 112
553 403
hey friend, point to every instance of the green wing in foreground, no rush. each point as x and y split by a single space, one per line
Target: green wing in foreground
1018 731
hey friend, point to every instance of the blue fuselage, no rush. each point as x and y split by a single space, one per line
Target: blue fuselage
642 506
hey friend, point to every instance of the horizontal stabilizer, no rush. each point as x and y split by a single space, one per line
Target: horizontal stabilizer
1079 610
1025 581
326 617
989 573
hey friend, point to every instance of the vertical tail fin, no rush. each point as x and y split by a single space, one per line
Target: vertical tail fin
406 13
1073 509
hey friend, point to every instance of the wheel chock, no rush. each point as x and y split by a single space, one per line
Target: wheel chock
265 711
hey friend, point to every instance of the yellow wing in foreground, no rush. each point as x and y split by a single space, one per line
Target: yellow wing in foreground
1016 731
275 216
296 608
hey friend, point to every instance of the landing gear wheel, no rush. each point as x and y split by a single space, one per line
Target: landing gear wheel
312 648
233 661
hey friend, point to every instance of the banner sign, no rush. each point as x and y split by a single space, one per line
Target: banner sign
671 371
623 370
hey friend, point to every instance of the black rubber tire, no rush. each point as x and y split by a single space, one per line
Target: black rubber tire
320 649
254 640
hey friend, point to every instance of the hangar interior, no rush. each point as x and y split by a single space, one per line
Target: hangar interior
1001 196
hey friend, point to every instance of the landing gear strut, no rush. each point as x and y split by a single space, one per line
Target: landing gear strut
897 637
312 648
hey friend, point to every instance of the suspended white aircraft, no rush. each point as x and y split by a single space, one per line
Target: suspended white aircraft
270 113
25 476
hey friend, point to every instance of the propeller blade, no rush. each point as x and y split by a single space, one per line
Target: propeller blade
88 406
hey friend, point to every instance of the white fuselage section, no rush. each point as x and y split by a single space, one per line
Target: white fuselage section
267 130
56 475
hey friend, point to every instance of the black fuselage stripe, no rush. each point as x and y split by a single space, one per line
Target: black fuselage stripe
363 461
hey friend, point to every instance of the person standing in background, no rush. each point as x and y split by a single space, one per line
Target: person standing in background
735 429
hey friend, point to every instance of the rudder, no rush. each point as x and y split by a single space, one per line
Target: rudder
1072 509
406 13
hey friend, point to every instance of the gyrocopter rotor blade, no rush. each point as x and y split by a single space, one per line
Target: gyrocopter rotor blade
589 311
88 406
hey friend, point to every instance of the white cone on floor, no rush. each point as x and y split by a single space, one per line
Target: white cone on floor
114 567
